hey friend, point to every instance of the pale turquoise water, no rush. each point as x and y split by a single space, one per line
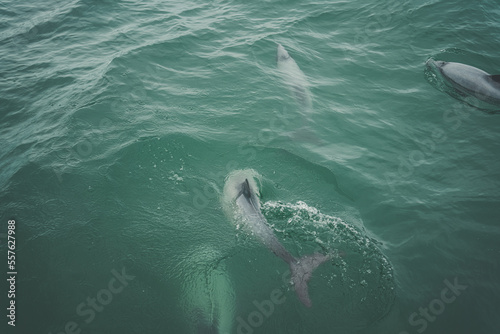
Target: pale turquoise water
120 121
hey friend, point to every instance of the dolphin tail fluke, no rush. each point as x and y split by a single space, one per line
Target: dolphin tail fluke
301 273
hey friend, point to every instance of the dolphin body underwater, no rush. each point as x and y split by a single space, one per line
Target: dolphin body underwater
302 268
297 82
470 80
294 78
208 295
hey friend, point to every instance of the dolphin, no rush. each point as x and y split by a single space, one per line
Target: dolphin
301 269
208 295
294 78
470 80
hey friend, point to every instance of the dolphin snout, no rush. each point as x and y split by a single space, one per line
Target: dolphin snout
431 63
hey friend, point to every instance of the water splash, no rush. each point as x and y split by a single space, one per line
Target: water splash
360 279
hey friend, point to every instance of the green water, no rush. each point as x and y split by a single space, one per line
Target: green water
120 121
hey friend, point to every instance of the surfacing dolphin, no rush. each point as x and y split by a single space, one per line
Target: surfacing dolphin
302 268
294 78
470 80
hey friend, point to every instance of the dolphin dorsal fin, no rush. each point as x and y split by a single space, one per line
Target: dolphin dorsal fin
245 190
495 78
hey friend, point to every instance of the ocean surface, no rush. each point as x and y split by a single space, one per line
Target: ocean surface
120 122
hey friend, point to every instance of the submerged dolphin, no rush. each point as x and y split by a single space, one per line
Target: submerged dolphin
294 77
470 80
302 268
208 298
